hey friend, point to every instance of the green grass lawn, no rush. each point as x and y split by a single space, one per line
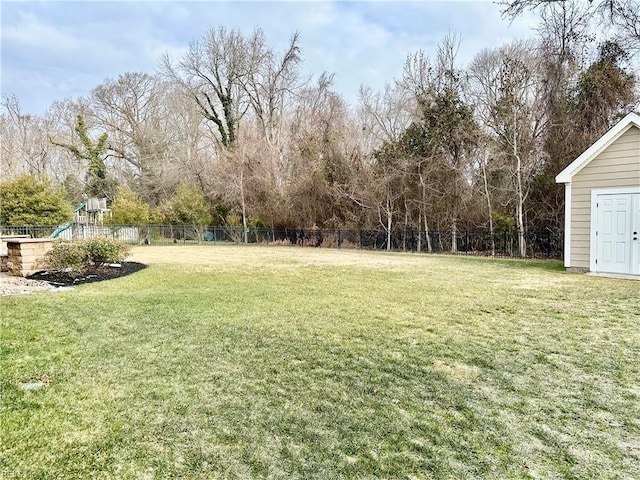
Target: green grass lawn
232 362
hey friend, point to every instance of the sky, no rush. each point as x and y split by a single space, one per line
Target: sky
53 50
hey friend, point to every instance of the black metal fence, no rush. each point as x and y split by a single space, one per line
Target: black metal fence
539 244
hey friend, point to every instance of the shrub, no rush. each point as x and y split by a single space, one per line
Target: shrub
66 255
187 206
348 244
281 243
503 223
257 222
234 222
101 251
129 209
76 257
329 241
26 200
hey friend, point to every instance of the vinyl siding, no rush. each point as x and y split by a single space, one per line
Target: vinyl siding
617 166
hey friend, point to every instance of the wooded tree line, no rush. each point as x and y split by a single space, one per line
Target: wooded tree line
235 130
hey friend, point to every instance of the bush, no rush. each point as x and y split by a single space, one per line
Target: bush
281 243
187 206
101 251
129 209
78 256
257 222
234 222
66 255
503 223
26 200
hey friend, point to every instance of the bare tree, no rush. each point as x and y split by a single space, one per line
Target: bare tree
622 16
322 155
243 178
513 109
387 114
139 112
193 149
271 84
25 144
128 107
215 71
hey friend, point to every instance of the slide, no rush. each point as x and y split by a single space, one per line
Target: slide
64 227
61 229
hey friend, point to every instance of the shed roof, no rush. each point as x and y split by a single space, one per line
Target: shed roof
632 119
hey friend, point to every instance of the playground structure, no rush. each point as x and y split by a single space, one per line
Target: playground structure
91 213
88 222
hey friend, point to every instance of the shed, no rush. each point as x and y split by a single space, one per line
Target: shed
602 203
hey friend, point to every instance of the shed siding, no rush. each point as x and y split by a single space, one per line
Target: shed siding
617 166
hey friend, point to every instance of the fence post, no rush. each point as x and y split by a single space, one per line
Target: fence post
339 238
360 239
466 246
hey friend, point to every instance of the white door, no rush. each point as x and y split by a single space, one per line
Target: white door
617 233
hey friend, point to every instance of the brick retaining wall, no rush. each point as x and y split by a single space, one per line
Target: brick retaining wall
25 254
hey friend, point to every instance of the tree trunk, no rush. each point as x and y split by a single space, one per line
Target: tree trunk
419 242
522 243
406 223
423 187
489 207
454 243
522 247
244 207
426 233
389 224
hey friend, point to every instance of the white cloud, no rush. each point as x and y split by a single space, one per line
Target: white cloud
29 32
63 49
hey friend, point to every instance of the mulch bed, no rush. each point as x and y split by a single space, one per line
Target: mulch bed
93 274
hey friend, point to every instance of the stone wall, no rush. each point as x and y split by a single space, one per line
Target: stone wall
3 249
6 238
26 254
